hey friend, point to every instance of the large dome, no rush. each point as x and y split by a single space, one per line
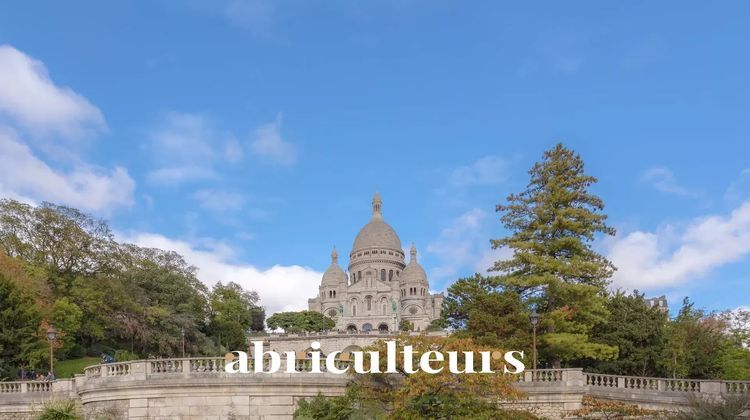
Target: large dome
377 233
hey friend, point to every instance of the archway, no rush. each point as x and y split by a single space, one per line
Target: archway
383 327
351 328
367 327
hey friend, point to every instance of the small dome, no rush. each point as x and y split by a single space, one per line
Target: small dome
334 275
377 233
413 272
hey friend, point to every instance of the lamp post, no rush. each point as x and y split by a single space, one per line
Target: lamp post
182 333
534 317
51 337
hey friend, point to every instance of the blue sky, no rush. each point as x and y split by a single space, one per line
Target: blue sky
250 135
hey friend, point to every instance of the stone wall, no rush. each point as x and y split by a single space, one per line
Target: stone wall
198 388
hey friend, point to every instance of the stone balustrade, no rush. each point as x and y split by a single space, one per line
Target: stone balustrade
25 386
134 386
696 386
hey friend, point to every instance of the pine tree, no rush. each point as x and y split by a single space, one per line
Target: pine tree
553 224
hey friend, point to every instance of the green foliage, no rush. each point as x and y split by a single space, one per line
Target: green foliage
327 408
302 321
405 325
729 407
479 308
553 224
68 368
18 329
595 408
437 324
447 404
98 292
60 410
125 356
233 313
692 343
66 316
636 330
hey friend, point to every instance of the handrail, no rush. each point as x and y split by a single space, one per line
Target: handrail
25 386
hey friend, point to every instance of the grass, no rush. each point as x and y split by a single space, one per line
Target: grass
67 368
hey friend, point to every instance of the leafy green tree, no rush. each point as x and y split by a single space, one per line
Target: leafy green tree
66 317
735 355
234 312
553 224
294 322
18 329
405 325
60 237
693 344
636 330
480 308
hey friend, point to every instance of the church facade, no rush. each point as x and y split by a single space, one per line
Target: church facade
379 289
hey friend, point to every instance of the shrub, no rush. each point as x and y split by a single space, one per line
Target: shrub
60 410
729 407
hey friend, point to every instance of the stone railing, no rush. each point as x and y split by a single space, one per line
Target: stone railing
25 386
697 386
192 365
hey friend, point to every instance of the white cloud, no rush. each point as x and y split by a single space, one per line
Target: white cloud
739 189
187 147
253 14
220 201
281 288
664 180
673 256
179 174
23 175
30 98
463 245
489 170
267 143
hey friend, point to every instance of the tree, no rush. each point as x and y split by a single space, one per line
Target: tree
735 355
234 312
66 317
693 344
405 325
61 237
439 395
18 329
479 308
295 322
553 223
636 330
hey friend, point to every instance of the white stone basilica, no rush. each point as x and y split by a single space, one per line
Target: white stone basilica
380 290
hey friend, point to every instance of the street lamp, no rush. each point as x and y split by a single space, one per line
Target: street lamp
534 318
51 337
182 333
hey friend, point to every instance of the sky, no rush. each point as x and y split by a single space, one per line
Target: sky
250 135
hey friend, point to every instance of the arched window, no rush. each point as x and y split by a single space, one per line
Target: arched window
382 274
368 299
390 275
359 275
334 293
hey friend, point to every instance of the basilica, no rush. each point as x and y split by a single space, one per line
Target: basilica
380 290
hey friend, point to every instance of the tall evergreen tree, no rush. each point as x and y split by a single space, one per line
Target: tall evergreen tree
553 224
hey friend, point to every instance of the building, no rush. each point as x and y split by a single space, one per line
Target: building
658 302
380 289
